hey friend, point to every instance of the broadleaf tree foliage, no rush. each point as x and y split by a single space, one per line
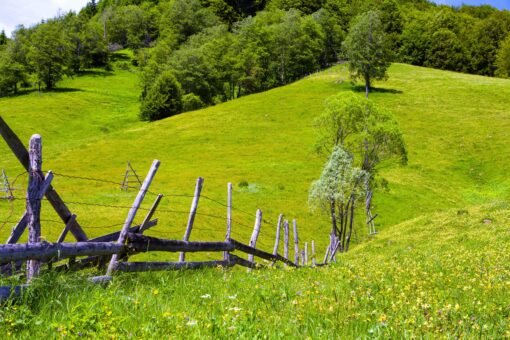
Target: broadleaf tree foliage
369 134
337 191
367 50
251 45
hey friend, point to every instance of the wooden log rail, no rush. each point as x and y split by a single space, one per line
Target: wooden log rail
45 251
259 253
138 242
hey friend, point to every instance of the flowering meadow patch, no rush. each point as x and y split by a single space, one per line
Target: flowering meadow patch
438 276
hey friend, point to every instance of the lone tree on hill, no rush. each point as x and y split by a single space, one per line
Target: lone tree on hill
366 49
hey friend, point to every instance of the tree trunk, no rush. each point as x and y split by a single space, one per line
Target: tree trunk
350 225
367 85
334 228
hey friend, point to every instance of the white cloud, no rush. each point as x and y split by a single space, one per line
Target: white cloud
30 12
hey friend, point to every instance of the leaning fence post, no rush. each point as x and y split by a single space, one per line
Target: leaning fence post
132 213
314 261
145 224
226 254
325 261
255 234
286 239
277 239
35 184
192 213
296 244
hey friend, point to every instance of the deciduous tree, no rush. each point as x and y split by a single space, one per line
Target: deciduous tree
366 49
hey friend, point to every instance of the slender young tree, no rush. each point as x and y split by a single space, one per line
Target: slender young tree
366 49
336 192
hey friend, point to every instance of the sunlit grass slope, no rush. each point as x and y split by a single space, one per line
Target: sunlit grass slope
455 125
445 275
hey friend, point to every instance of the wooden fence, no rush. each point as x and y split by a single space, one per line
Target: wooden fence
112 251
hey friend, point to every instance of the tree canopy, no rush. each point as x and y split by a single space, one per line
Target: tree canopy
367 50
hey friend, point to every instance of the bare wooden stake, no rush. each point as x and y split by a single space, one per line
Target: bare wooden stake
296 243
18 229
286 239
326 255
229 219
132 213
277 239
306 253
145 224
35 184
63 235
192 213
314 260
255 234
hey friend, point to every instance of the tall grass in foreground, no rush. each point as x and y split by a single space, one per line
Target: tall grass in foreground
443 276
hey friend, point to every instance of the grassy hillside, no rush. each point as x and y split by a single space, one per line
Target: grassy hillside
439 267
455 126
441 276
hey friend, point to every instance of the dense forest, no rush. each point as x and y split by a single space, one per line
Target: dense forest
194 53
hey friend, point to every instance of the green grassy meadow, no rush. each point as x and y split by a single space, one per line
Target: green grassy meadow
436 268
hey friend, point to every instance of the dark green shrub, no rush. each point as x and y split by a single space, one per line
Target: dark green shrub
163 99
191 102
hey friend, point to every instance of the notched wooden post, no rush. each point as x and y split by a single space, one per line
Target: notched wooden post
192 213
35 184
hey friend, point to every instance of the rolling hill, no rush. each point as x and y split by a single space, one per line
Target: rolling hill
455 126
439 266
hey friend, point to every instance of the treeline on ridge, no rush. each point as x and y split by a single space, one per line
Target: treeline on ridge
194 53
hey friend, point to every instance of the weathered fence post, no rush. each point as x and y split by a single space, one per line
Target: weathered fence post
192 213
306 253
57 203
145 224
314 261
255 234
226 255
35 184
286 239
277 239
325 261
296 243
131 215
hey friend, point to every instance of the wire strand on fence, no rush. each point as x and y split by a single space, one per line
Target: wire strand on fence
113 206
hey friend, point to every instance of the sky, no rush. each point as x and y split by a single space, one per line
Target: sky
501 4
30 12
